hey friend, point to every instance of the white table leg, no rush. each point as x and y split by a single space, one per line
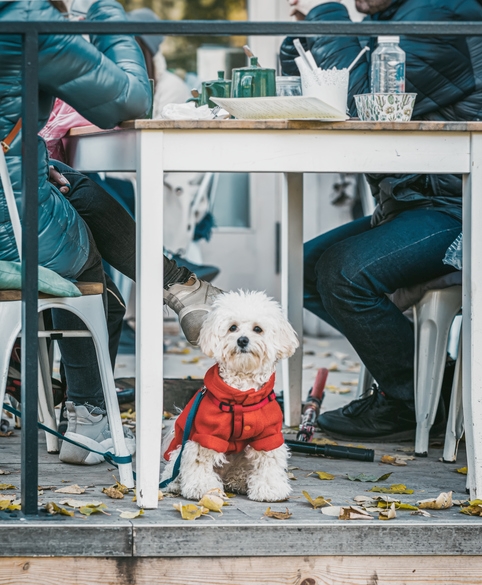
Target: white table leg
149 317
292 288
472 317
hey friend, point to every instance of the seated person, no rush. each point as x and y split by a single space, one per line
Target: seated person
350 270
106 82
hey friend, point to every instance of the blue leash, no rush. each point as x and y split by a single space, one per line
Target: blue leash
107 455
120 460
185 437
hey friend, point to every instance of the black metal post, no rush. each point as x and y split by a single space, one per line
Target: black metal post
29 475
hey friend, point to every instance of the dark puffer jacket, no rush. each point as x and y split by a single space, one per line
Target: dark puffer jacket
104 80
445 72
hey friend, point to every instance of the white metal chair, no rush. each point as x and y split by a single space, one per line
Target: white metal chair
433 318
90 309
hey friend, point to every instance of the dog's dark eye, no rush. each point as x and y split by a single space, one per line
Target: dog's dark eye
257 329
233 328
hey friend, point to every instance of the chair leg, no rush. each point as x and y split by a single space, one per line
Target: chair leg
365 380
94 319
433 317
455 419
45 394
10 318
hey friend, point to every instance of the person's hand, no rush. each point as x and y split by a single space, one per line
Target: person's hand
300 8
58 180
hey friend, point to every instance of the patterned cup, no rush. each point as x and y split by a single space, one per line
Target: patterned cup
385 107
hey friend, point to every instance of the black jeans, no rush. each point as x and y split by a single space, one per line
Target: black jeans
112 235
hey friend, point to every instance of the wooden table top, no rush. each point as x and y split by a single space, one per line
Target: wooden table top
350 125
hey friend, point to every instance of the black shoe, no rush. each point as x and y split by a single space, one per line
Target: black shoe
373 418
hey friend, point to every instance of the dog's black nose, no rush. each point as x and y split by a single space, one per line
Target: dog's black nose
243 341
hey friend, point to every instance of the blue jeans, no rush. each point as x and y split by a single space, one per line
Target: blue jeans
349 271
112 235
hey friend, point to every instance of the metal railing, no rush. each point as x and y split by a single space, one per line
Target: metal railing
30 32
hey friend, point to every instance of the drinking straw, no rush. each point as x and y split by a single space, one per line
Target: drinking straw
303 55
358 57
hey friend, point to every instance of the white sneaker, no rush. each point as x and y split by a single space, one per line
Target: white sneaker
192 302
89 426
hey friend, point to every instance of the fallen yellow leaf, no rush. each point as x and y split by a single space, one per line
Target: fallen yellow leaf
318 502
278 515
190 511
324 475
113 493
131 515
388 514
53 509
396 488
89 509
442 502
213 500
71 489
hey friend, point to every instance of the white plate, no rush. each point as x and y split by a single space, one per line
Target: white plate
285 107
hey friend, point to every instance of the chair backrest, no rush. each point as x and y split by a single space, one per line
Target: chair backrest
11 203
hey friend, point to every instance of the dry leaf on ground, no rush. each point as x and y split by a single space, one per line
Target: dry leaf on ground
323 441
462 470
399 460
442 502
9 497
395 488
213 500
9 505
7 486
420 513
473 509
324 475
131 515
3 472
398 505
354 513
278 515
190 511
78 503
113 493
318 502
365 477
71 489
52 508
89 509
388 514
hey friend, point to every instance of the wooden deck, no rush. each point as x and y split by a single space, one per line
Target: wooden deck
243 546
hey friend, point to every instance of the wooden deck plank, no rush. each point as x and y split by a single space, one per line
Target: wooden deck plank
308 570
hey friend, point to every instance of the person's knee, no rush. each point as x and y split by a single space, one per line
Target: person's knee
335 275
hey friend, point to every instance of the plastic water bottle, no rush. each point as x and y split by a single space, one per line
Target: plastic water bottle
388 67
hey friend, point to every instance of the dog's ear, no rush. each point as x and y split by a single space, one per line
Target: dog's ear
208 337
287 340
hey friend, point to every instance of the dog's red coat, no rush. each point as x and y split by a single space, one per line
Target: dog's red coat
213 428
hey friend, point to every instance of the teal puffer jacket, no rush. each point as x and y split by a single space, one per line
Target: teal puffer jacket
104 80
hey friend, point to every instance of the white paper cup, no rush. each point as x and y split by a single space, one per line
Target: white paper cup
329 85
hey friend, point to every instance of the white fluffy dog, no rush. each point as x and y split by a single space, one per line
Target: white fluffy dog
236 440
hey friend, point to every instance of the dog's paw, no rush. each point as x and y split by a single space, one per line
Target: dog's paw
196 491
173 488
262 492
